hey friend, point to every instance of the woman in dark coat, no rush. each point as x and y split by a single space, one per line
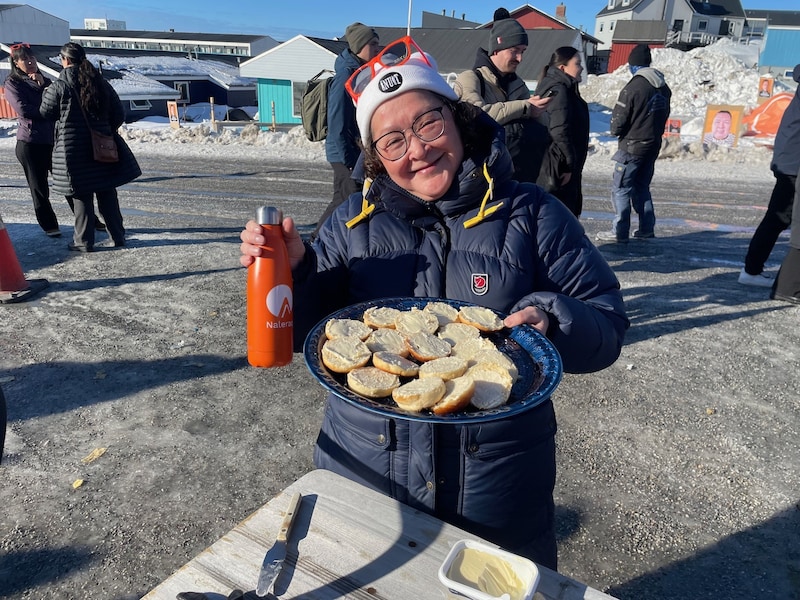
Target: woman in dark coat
568 122
23 89
80 98
443 218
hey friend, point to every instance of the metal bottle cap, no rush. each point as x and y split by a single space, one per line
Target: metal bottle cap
269 215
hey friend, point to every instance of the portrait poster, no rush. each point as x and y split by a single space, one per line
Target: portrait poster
672 127
765 89
722 125
172 111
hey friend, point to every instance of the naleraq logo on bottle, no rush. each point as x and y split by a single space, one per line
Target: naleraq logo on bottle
279 304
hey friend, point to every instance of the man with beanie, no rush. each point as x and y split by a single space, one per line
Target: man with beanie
785 164
493 85
341 145
638 119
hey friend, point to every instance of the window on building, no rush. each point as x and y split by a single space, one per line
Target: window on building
702 25
611 26
140 105
183 88
601 26
626 2
610 4
298 88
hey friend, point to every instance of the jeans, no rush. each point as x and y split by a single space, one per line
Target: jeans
776 219
631 189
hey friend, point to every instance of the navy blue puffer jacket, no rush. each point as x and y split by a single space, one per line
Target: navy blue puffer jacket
495 479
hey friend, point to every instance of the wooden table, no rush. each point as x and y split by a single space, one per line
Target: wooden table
347 542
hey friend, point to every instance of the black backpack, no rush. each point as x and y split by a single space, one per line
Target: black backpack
314 106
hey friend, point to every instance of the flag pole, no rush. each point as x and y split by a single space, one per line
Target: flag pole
408 31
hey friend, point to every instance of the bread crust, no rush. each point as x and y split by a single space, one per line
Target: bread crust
419 394
394 363
344 354
426 346
492 386
336 328
387 340
381 316
445 313
457 395
481 317
453 333
446 368
372 382
415 320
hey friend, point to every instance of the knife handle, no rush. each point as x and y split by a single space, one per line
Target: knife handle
286 525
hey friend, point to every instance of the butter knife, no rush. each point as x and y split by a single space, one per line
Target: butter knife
273 561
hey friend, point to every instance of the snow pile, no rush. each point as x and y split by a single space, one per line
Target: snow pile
722 73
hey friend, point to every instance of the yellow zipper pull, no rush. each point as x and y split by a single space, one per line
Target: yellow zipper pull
366 207
483 211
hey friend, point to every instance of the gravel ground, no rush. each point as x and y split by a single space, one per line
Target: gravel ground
677 465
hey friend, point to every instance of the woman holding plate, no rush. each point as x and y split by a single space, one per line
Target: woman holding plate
443 218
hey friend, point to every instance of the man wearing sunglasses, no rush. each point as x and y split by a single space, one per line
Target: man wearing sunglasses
341 145
493 85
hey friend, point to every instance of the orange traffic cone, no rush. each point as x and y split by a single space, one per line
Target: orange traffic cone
13 285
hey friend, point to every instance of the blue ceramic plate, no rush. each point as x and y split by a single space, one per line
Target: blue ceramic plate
538 361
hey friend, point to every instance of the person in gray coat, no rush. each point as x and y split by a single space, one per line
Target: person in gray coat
79 99
443 218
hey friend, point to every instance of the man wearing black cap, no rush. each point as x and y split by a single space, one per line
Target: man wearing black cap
341 145
638 119
493 85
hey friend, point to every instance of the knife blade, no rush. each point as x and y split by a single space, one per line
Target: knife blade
273 561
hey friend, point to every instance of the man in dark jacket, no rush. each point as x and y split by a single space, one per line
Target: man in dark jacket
493 85
785 164
341 145
638 119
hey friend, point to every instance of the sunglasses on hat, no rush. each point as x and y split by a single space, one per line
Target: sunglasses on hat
19 45
393 55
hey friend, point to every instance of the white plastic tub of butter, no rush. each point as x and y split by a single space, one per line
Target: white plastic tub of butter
482 572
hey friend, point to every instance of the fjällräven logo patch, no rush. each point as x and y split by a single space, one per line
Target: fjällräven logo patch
480 283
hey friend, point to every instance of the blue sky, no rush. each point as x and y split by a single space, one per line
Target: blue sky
284 19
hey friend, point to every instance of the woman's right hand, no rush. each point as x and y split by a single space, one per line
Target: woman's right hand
253 238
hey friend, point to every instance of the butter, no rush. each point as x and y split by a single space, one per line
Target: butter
487 573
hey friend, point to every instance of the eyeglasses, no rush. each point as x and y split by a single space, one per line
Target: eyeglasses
19 45
394 55
428 127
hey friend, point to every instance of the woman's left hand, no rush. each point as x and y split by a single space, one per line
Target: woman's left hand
531 315
565 179
37 77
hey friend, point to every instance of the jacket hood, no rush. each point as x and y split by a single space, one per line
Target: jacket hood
346 60
482 59
653 76
554 77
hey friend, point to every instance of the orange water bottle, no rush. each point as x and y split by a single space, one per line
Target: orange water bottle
269 297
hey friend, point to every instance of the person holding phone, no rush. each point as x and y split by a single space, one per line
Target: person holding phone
493 85
567 117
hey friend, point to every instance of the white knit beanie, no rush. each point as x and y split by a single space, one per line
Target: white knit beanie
414 74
